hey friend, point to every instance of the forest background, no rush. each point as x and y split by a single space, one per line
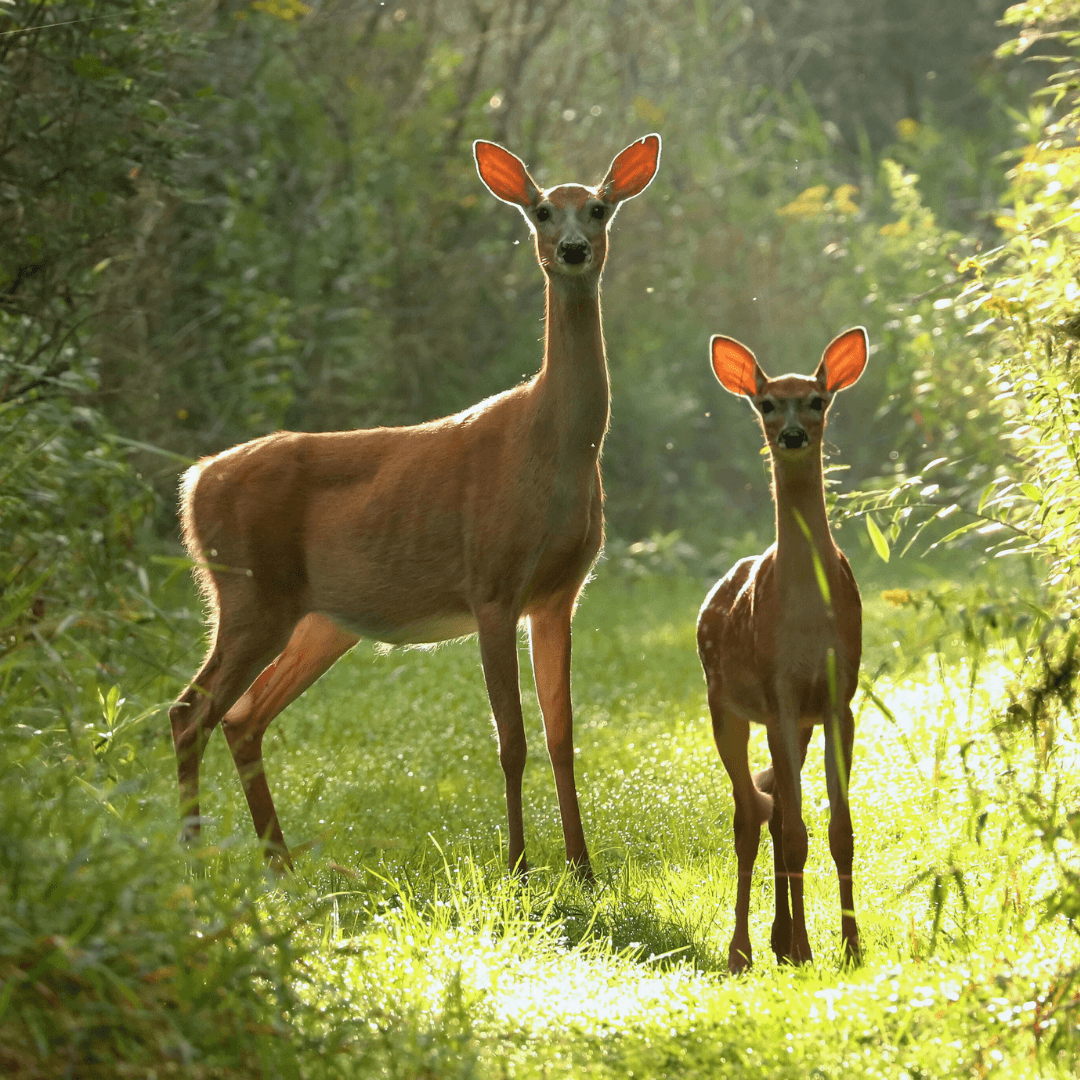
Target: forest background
218 219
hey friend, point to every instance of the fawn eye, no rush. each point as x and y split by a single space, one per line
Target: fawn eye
766 406
817 404
542 213
598 212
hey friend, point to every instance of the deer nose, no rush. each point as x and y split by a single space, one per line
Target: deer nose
793 438
574 252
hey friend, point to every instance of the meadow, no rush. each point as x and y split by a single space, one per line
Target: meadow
401 948
223 220
460 972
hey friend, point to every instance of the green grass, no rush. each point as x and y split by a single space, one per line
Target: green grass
436 961
402 948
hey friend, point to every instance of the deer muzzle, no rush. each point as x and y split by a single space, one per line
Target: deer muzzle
793 438
573 252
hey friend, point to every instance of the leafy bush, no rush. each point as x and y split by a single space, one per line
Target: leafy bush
1005 449
85 140
111 956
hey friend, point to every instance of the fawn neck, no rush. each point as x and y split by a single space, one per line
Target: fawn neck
798 485
574 378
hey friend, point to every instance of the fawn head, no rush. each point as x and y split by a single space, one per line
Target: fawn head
569 222
791 408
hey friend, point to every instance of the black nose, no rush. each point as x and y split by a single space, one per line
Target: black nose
573 252
793 438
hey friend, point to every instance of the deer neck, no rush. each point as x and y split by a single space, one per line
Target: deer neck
798 488
573 381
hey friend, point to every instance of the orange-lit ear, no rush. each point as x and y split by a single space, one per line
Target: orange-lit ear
844 360
735 366
632 171
505 175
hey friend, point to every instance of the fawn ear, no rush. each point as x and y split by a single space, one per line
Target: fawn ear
632 171
735 366
844 359
505 175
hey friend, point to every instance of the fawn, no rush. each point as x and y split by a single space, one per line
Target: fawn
780 639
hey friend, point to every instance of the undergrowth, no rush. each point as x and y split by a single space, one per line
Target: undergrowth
402 948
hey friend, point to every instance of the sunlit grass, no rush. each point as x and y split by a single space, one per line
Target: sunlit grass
424 955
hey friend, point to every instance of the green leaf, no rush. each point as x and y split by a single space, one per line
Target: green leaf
955 534
89 66
16 603
98 796
1032 492
183 459
881 545
110 705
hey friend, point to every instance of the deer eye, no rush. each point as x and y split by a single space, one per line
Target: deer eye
766 406
598 212
542 213
817 404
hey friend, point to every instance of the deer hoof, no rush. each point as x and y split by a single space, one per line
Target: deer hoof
739 958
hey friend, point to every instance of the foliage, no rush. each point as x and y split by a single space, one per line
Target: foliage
1030 294
330 258
108 960
74 597
1019 307
74 585
297 236
84 137
412 951
219 219
1015 484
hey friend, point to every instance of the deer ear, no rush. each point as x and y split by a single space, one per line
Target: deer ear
505 175
844 360
632 171
735 366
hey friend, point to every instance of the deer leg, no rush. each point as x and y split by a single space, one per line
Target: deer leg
780 936
549 640
839 738
752 807
236 655
316 643
784 746
191 726
498 654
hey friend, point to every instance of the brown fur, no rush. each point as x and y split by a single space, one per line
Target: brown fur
778 651
304 543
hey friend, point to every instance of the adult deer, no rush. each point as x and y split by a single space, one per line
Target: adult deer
780 639
304 543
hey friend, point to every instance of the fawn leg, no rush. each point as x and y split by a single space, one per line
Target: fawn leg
784 746
752 807
839 738
780 936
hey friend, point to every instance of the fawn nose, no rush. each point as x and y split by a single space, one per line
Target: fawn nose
574 252
793 438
